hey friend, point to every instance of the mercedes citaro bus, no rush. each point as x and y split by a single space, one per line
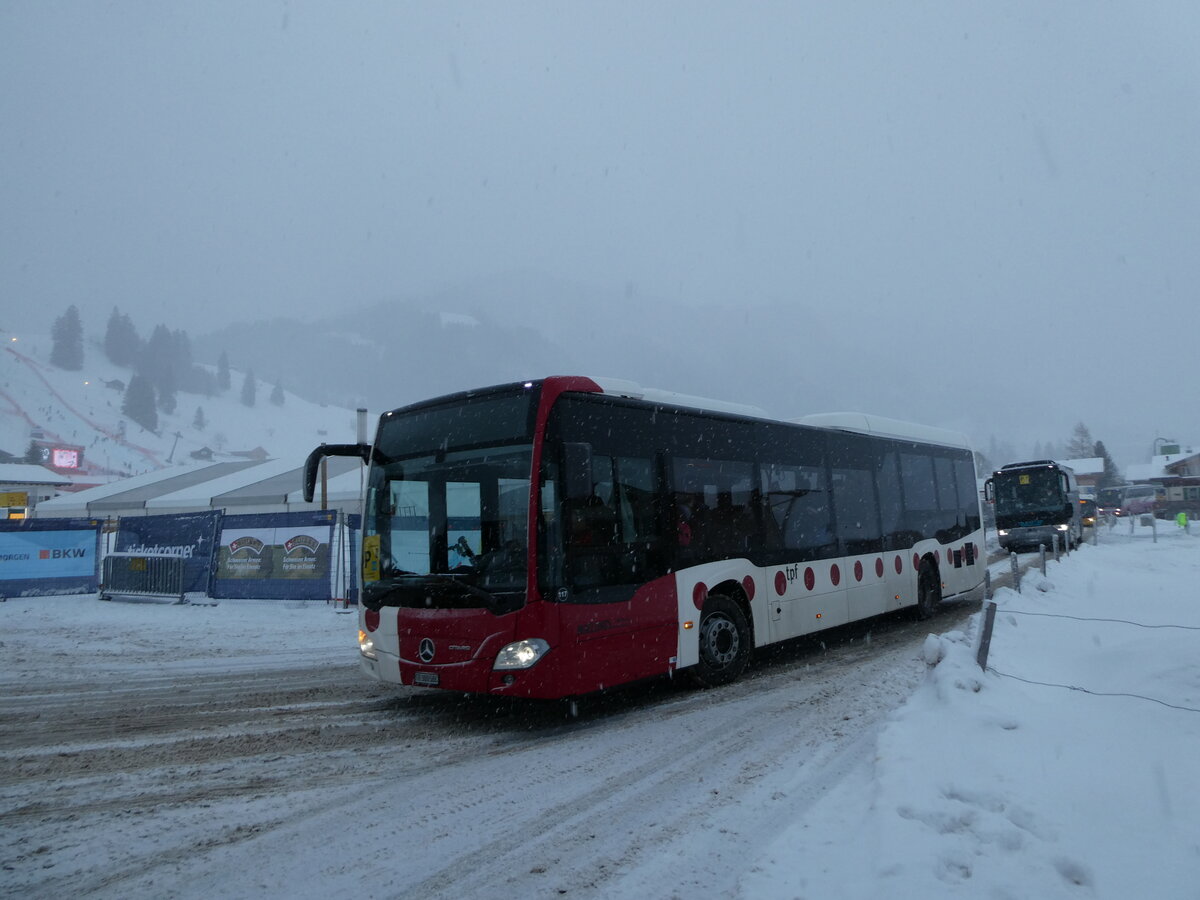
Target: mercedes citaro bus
554 538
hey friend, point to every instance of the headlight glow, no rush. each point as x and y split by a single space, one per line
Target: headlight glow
1062 527
521 654
366 646
1003 532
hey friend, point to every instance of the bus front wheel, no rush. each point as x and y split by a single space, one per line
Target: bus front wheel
725 642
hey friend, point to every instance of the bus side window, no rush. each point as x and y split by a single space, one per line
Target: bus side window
920 496
612 535
798 500
891 503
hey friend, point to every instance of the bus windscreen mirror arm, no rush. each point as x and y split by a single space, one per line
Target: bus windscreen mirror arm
362 451
577 465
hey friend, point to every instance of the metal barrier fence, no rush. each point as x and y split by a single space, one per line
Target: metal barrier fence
152 576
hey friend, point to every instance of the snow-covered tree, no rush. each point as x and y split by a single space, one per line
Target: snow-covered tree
1081 445
198 420
249 389
66 351
121 341
1112 475
139 402
277 394
223 381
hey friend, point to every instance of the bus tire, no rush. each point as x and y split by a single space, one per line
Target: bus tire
929 591
725 642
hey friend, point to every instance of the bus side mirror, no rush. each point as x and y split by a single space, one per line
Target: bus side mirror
577 471
312 464
989 491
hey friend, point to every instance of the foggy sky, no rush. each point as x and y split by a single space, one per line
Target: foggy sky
1011 189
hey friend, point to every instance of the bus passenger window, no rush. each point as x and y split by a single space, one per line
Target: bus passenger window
798 499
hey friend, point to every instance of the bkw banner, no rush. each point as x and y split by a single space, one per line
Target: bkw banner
39 557
190 535
275 556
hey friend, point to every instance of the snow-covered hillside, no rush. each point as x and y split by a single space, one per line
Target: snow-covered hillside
83 408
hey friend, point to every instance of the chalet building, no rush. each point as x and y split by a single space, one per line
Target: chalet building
1178 475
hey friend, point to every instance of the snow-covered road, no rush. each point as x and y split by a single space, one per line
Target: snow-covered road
240 765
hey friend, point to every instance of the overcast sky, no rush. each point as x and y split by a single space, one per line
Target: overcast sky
1022 178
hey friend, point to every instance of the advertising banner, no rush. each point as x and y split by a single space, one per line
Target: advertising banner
275 556
49 556
190 535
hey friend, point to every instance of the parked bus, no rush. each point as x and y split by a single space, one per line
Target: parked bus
1036 503
1142 499
554 538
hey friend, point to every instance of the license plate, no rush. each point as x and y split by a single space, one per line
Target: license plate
429 679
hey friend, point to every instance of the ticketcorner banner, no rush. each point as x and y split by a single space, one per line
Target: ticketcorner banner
40 557
275 556
190 535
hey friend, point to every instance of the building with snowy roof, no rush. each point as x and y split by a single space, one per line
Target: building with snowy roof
1177 474
24 485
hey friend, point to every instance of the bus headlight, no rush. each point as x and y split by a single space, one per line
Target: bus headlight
366 646
1003 532
521 654
1062 527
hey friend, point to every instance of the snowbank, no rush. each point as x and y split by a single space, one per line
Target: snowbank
1070 768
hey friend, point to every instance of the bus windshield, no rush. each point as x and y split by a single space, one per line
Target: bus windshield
1028 491
447 506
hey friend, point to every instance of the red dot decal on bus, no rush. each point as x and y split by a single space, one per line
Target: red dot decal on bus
899 565
780 583
858 571
810 578
699 594
748 587
371 619
879 567
835 574
916 560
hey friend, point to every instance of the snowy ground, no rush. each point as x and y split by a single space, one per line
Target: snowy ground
234 750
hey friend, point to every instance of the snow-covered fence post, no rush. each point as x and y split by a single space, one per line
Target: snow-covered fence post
985 636
1154 527
987 584
1016 571
1042 550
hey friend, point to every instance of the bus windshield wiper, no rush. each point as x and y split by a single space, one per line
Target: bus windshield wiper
491 600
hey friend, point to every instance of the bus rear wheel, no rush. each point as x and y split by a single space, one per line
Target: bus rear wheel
929 591
725 642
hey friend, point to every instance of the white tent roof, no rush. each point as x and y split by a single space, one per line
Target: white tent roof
242 486
129 496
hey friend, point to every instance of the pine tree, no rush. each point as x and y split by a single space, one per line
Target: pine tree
139 402
121 342
198 421
277 394
223 381
1112 475
249 390
1081 445
67 336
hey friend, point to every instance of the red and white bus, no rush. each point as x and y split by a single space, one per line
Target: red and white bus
553 538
